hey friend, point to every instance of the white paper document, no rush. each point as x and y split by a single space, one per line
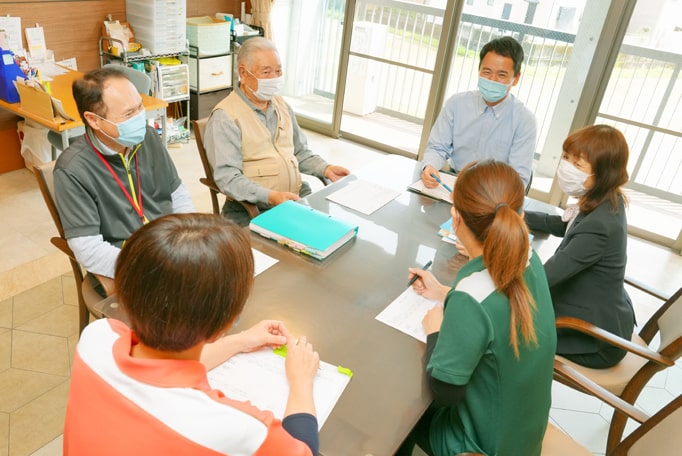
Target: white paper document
406 313
12 28
259 377
35 42
262 261
363 196
439 192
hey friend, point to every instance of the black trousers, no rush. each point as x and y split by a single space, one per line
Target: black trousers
419 435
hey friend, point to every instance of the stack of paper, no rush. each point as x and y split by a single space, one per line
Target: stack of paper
446 232
303 229
363 196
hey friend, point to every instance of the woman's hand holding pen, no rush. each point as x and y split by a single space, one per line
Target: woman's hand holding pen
427 285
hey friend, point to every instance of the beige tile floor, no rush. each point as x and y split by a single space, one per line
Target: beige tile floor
39 321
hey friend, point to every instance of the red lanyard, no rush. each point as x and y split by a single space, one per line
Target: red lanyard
137 205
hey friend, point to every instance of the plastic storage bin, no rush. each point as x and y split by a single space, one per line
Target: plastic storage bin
210 35
173 82
159 24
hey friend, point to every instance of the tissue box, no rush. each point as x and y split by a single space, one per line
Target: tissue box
209 35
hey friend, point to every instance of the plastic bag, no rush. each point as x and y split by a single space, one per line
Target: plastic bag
35 147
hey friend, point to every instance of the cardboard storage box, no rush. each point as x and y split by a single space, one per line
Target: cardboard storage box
37 102
211 36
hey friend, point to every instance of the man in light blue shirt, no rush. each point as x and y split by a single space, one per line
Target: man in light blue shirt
488 123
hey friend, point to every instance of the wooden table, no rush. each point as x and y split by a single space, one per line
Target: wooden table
60 87
334 303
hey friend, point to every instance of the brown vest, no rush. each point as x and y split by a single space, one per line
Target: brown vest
270 164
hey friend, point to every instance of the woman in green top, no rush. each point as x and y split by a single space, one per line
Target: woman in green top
490 346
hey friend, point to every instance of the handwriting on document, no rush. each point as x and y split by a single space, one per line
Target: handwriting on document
437 192
259 377
406 313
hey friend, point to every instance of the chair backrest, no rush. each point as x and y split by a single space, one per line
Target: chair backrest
668 321
659 435
55 138
86 293
45 179
199 127
140 80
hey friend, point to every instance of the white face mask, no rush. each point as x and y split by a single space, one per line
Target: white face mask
571 179
267 88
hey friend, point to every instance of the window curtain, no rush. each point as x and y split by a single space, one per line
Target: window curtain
260 15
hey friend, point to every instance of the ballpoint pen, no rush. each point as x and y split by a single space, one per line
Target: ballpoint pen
441 183
415 277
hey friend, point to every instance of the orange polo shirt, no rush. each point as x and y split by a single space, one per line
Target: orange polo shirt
123 405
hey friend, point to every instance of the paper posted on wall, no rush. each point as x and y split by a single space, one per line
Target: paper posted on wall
35 42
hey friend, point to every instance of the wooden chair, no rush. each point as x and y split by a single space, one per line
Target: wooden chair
88 298
627 379
199 127
657 434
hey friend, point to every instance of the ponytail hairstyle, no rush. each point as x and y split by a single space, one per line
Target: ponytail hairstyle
489 198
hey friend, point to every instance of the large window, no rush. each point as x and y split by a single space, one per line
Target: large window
379 72
643 99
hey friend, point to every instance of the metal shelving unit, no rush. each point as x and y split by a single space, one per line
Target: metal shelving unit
170 83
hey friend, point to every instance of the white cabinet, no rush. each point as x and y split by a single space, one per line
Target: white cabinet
207 74
210 79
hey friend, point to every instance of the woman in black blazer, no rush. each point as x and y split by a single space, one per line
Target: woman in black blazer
586 272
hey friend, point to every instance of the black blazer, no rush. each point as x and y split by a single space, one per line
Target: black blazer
586 274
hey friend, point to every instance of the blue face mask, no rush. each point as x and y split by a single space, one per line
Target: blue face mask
492 91
132 131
